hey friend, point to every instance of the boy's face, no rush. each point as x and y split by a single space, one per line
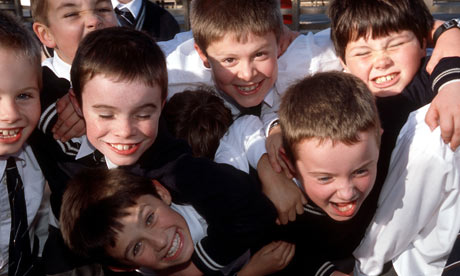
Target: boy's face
121 117
387 64
70 20
337 178
153 236
19 101
244 70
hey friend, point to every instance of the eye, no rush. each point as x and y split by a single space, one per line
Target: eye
137 248
362 54
229 60
143 116
24 96
104 10
394 45
361 172
70 14
260 54
106 116
324 179
149 220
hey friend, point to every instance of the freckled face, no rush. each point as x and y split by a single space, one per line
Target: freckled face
338 177
121 118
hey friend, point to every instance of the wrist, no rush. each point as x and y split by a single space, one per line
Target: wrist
447 25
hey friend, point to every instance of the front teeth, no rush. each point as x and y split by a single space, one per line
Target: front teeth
9 133
344 208
122 147
383 79
248 88
172 250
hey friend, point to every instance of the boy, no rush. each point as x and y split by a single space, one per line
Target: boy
331 134
61 25
128 221
384 46
127 130
22 182
201 118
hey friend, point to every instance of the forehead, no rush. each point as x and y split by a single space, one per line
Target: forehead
231 41
56 5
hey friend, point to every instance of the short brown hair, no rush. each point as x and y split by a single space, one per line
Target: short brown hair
93 203
17 38
39 11
200 117
120 53
333 106
353 19
211 20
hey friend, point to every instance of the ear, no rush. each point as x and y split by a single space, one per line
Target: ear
203 56
162 192
344 65
75 104
44 34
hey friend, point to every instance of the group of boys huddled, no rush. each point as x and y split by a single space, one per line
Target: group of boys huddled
239 148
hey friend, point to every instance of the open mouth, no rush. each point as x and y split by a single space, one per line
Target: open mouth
175 248
10 135
124 148
345 209
386 80
248 89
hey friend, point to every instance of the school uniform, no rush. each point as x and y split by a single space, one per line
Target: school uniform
419 187
151 18
34 185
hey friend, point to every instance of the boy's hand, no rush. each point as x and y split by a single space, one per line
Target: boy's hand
276 156
69 124
269 259
445 112
286 38
284 194
446 46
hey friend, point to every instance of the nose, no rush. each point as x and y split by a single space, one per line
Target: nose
346 190
9 112
382 60
158 240
247 71
93 20
124 127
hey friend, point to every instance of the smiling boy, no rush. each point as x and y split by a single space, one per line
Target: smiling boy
331 133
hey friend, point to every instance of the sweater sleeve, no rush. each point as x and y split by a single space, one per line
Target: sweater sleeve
447 70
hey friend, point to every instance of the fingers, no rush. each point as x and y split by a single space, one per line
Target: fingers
432 117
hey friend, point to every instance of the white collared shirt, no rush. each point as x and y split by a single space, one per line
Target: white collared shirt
34 185
59 67
134 6
418 216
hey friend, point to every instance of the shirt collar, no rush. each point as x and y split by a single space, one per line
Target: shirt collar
134 6
85 148
61 68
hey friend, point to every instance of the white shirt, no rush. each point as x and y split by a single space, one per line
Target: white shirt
34 185
243 144
133 6
418 216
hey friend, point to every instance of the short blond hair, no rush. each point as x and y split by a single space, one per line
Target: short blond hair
211 20
333 106
39 11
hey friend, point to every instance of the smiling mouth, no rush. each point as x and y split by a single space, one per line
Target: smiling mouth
384 79
345 209
248 89
175 246
124 148
10 135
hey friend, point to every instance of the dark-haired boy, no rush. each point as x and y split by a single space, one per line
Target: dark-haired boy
121 97
21 180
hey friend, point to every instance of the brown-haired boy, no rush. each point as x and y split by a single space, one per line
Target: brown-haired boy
22 182
331 134
129 221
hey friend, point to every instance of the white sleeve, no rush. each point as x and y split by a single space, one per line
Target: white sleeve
306 55
243 144
185 67
421 185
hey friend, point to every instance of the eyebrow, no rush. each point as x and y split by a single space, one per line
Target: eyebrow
139 221
66 5
148 105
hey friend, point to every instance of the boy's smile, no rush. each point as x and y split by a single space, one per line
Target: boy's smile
19 101
386 64
246 70
121 117
338 177
153 236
